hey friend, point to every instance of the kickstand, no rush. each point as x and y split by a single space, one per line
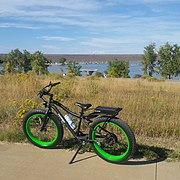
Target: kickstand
83 143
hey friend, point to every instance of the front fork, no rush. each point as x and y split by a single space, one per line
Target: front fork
46 119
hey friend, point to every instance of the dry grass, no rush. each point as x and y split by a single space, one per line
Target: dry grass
152 109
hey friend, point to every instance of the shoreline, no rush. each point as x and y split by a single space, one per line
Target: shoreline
94 58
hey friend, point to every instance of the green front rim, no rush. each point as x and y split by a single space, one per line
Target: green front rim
41 138
106 154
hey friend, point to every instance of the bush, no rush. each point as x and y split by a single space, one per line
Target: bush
99 74
152 79
118 68
137 76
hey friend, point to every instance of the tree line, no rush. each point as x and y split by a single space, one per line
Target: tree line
17 61
165 61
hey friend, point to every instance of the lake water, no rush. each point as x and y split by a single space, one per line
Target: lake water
134 67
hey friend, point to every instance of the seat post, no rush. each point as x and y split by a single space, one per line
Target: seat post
79 125
82 112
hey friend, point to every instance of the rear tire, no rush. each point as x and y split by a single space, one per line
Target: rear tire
50 137
115 142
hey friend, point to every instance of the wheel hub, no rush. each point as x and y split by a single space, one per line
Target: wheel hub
111 139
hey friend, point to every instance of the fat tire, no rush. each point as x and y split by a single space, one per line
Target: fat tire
126 129
56 121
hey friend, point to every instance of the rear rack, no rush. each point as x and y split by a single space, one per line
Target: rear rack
108 110
104 110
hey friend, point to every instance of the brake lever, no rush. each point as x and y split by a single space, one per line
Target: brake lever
46 92
43 92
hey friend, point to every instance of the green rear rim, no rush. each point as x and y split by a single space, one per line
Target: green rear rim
106 154
41 138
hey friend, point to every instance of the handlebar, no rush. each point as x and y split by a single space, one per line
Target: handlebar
51 84
44 91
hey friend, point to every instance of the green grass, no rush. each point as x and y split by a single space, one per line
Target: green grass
11 135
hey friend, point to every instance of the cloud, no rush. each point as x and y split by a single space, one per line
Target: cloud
18 25
171 37
79 13
159 1
115 2
69 12
82 5
55 38
112 42
51 48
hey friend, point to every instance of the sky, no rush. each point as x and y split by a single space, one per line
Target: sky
88 27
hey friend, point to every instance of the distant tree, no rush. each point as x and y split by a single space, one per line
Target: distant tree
149 59
18 57
9 63
27 61
118 68
24 62
73 68
39 63
1 61
14 61
169 62
62 61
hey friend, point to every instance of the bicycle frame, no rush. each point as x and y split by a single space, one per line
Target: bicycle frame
52 105
77 134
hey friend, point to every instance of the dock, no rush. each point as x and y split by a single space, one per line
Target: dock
89 72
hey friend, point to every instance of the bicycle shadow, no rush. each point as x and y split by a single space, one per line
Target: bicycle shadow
143 155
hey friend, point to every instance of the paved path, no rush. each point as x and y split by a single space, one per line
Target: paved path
27 162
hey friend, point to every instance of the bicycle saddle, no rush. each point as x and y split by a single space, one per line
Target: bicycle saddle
83 106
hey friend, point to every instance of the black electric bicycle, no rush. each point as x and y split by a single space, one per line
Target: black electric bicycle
110 137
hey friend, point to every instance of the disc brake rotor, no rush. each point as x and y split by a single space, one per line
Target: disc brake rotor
111 139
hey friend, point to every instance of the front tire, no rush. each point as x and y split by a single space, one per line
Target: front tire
48 138
114 140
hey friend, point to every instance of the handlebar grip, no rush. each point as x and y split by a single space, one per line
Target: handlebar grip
43 92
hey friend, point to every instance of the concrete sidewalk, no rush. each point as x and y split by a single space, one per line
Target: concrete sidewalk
27 162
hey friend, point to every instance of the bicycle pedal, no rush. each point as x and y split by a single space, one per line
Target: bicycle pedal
84 137
83 143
